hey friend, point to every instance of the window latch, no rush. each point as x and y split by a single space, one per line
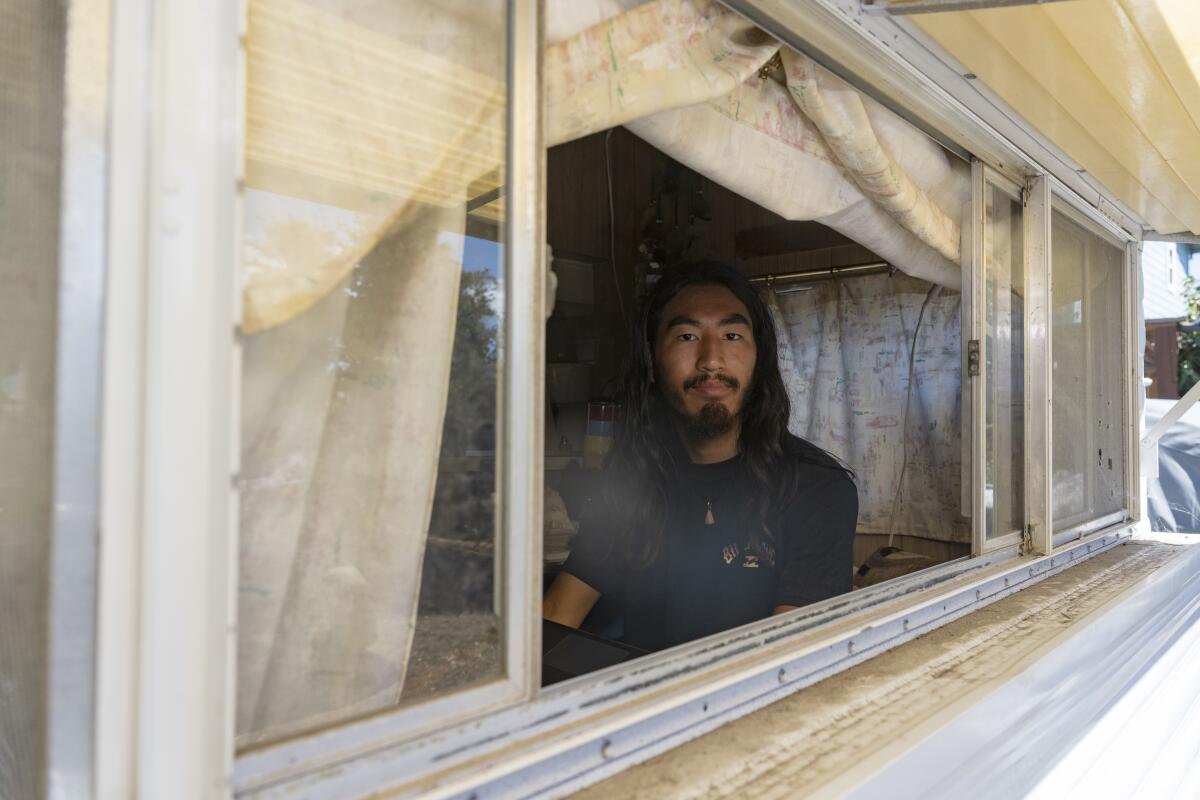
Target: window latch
973 358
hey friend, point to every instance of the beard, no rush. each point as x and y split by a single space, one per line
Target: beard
712 420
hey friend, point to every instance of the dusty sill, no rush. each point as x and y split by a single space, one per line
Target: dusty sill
1015 697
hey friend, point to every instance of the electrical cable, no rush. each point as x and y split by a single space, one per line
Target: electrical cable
912 354
612 229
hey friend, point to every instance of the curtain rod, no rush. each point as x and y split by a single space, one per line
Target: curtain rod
824 274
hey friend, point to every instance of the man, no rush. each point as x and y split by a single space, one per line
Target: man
712 514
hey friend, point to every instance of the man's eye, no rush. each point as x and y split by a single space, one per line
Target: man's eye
687 337
733 337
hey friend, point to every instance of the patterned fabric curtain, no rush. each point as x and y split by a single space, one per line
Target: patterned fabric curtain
860 388
364 143
789 135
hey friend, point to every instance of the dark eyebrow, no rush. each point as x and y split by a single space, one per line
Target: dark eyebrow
732 319
679 319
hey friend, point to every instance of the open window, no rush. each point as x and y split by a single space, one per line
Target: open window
846 217
421 433
870 356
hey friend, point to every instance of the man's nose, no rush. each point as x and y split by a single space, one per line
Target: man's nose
710 359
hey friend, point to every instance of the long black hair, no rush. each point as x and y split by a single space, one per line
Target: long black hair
648 453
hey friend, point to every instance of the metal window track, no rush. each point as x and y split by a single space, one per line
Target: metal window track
903 7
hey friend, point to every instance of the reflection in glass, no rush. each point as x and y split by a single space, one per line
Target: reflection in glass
373 312
1089 449
1004 489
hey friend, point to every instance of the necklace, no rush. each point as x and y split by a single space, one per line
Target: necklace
702 484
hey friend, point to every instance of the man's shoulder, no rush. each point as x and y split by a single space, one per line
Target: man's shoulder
816 465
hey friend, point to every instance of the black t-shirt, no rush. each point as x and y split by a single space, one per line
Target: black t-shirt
706 577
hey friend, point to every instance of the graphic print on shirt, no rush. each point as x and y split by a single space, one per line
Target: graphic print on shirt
750 558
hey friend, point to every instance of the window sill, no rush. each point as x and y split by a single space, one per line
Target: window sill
1045 679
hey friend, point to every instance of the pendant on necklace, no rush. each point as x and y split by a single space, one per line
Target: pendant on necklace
708 517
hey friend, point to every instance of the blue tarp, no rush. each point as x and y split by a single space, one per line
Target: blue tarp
1174 498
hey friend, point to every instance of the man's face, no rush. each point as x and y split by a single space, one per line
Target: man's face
704 355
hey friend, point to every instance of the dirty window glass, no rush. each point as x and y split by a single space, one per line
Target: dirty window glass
1086 340
1004 491
373 311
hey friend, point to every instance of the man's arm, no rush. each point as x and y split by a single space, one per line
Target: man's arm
568 600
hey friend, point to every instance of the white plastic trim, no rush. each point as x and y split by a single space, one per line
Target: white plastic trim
124 390
186 626
1131 728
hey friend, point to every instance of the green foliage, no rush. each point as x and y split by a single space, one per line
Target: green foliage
471 401
1189 343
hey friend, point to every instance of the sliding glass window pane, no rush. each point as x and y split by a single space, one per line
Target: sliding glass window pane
32 44
1004 301
1088 412
373 312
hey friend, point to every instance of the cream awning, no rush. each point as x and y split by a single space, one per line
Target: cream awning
1114 83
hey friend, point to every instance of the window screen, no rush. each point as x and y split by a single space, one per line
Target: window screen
1088 410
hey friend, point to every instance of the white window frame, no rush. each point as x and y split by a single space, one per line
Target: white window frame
175 719
983 176
168 554
172 370
1097 223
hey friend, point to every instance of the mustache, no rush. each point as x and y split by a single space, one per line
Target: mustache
696 380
